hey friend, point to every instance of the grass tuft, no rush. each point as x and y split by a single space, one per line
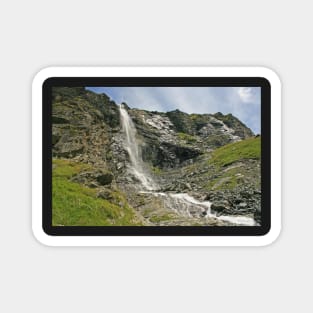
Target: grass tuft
186 137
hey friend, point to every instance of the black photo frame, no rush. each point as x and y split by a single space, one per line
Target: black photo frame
261 230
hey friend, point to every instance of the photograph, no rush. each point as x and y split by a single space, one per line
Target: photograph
156 156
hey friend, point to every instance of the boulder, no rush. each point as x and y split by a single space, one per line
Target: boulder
104 178
220 206
93 178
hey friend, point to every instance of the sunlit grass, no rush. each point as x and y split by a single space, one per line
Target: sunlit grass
74 204
246 149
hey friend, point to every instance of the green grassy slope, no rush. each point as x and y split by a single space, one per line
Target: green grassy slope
242 150
74 204
226 168
236 164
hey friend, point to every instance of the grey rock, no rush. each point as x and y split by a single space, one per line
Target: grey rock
93 185
105 194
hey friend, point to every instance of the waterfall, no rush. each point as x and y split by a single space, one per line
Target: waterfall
182 203
132 147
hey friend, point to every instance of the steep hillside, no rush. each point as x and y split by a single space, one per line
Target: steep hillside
203 165
170 139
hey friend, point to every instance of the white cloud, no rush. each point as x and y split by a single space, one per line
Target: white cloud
245 94
193 100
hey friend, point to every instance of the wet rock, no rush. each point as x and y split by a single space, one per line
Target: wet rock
219 206
206 197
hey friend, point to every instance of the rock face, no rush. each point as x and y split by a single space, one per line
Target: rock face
83 124
172 139
88 124
177 148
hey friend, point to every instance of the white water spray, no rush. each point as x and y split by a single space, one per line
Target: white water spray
186 205
132 147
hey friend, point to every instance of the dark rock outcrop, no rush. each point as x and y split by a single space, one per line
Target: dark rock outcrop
98 177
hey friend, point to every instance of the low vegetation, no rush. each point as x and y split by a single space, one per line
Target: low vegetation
77 205
161 218
156 170
186 137
232 164
231 153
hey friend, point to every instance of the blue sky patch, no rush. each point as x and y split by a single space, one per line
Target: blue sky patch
242 102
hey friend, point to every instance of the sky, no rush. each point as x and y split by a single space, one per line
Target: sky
242 102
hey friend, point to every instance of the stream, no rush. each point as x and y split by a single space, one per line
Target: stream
181 203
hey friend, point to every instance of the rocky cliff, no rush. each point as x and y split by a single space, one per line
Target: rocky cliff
210 157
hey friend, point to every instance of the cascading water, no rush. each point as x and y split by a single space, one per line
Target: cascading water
132 147
181 203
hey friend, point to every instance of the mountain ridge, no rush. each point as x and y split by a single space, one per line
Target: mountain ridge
87 130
